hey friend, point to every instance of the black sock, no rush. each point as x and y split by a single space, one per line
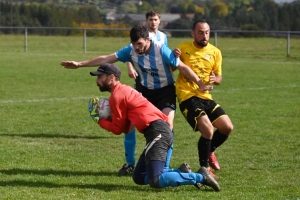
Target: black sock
204 146
217 140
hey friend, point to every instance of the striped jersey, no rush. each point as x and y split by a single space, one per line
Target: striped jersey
202 61
159 36
153 68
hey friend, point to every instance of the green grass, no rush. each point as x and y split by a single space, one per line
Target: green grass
51 149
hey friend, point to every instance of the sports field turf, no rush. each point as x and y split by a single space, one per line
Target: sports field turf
51 149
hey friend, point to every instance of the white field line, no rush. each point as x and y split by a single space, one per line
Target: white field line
7 101
258 88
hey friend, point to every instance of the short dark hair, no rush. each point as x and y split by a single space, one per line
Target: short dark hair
152 13
201 21
138 32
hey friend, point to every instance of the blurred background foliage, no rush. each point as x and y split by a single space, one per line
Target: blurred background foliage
254 15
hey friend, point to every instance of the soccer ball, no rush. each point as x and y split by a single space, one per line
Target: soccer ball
104 108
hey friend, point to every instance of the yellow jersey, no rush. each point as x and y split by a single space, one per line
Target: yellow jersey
202 61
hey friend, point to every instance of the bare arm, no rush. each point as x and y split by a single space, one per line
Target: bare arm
131 72
90 63
191 75
177 54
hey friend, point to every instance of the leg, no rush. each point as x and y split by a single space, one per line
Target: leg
159 139
159 179
224 127
140 172
194 112
204 143
169 155
170 113
165 100
129 146
140 176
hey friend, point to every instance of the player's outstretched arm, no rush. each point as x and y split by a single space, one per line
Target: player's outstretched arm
91 62
70 64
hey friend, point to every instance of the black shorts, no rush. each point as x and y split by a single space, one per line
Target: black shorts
160 98
193 107
137 83
159 138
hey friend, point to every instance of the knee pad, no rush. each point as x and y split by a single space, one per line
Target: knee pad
154 182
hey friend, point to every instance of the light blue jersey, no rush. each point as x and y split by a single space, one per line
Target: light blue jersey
153 68
159 36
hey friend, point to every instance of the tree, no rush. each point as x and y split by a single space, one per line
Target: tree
93 15
199 10
129 8
219 9
145 7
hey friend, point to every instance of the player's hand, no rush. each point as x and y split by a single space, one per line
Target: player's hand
70 64
131 72
177 52
93 109
212 77
204 87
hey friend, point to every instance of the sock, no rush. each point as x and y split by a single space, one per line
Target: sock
217 140
204 146
169 155
129 146
171 170
175 179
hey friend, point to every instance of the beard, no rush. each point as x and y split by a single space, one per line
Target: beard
104 88
202 43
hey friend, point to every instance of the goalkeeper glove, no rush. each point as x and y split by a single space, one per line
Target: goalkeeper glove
93 109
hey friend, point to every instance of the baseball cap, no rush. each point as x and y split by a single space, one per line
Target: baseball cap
107 68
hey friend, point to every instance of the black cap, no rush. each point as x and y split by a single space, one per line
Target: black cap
107 68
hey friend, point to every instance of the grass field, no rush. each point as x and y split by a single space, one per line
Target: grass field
51 149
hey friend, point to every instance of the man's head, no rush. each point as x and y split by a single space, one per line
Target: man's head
107 75
140 40
153 20
200 33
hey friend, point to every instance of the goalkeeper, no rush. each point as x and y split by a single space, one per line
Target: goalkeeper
129 106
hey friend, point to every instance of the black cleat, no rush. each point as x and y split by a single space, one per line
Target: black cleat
208 179
126 169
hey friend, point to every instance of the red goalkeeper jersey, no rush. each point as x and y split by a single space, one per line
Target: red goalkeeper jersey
129 106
